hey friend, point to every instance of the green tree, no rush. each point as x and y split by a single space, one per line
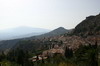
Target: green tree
87 55
68 53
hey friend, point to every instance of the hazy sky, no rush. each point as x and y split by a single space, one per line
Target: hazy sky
48 14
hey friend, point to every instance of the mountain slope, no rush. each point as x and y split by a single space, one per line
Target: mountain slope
89 26
7 44
55 32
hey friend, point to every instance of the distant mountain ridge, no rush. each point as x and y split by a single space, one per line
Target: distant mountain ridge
55 32
21 32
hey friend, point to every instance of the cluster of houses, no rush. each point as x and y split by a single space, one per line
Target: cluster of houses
48 53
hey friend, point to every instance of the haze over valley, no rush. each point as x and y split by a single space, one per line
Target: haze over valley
21 32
